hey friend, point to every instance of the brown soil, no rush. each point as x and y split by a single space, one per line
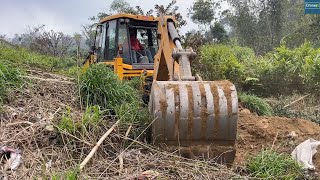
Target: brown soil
256 133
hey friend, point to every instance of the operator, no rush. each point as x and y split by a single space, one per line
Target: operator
135 43
137 47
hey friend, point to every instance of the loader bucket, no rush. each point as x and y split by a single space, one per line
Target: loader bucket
195 118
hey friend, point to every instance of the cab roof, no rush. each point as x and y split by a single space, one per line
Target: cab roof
130 16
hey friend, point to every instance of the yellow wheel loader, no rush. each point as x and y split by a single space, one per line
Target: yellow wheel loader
196 118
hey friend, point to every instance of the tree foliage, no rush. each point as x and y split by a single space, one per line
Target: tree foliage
217 33
170 9
122 6
203 11
263 24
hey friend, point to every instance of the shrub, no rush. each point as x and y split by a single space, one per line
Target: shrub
66 123
283 71
255 104
100 86
272 165
220 62
291 70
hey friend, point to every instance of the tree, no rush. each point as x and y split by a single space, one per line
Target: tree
52 43
194 39
77 38
217 33
2 36
258 24
122 6
170 9
203 11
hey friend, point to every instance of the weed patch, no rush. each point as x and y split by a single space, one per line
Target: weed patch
91 119
9 78
68 175
100 86
272 165
255 104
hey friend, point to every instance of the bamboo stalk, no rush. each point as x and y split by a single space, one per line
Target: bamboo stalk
95 148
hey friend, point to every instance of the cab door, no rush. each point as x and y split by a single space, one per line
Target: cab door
111 41
124 42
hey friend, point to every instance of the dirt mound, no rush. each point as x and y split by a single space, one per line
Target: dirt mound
282 134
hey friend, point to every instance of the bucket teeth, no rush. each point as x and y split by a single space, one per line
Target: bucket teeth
194 113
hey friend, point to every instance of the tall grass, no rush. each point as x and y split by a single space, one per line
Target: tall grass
22 56
100 86
9 78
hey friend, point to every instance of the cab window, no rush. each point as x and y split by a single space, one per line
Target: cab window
111 51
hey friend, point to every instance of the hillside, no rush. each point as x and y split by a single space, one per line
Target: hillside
30 114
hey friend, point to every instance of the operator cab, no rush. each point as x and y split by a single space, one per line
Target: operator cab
120 37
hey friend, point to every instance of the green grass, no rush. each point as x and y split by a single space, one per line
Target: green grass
9 78
100 86
255 104
22 56
90 119
68 175
272 165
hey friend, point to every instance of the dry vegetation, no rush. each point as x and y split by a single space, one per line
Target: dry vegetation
29 122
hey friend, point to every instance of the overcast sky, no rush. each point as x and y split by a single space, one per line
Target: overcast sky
66 15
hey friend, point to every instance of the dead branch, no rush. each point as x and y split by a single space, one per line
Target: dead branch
293 102
21 122
95 148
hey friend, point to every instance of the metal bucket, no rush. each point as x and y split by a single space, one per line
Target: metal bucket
195 118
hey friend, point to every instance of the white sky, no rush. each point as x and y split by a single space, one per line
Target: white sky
67 15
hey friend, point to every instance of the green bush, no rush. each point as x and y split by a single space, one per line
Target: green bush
9 78
287 71
272 165
220 62
283 71
255 104
100 86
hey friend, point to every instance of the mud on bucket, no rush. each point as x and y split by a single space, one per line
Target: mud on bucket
195 118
